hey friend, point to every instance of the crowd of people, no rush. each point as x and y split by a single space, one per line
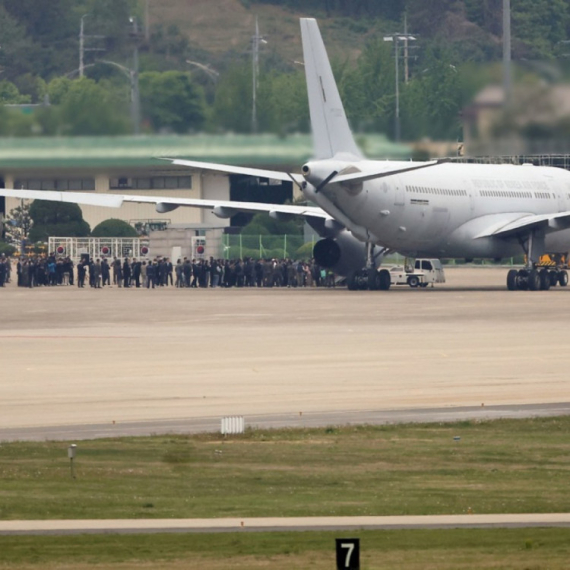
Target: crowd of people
161 272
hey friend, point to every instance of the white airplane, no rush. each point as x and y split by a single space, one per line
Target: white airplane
365 208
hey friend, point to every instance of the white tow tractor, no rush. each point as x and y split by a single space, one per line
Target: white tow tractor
418 273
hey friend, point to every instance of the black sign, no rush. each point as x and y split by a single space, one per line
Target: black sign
348 553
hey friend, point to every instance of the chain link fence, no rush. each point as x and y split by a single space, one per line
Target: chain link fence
266 247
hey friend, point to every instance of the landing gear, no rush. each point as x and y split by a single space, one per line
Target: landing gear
369 278
533 280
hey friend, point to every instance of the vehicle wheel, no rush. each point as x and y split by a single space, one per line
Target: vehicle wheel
553 278
544 280
533 280
512 280
413 281
384 280
563 278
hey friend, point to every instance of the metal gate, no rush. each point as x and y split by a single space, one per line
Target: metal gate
74 248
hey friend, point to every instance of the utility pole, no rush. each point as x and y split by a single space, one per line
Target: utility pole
507 77
82 45
82 48
147 22
406 68
255 41
134 77
395 38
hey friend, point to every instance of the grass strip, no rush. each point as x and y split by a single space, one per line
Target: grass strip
468 549
503 466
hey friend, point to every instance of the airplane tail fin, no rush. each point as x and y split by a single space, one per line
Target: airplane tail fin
331 132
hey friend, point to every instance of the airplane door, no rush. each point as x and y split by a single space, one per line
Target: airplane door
399 199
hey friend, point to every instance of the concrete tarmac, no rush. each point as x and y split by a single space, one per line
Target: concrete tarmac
88 363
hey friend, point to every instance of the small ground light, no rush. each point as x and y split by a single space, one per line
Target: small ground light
71 450
456 438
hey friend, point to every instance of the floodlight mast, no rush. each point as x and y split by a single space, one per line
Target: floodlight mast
395 38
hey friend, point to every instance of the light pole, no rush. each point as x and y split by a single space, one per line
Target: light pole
395 38
212 73
134 85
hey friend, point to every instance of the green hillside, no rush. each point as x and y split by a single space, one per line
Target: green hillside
195 62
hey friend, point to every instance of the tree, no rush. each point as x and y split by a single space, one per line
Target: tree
51 219
264 224
368 89
9 94
88 108
172 101
232 102
16 46
283 105
114 228
18 223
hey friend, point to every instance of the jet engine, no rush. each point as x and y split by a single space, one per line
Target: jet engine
344 254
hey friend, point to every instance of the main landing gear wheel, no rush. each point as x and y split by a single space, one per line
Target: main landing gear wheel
369 279
534 280
512 280
563 278
528 279
553 278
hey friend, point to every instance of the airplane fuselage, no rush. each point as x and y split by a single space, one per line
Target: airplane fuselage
439 211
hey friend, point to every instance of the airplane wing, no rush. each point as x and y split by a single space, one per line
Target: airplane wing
228 169
222 208
528 222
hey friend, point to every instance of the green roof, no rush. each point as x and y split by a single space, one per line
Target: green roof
106 152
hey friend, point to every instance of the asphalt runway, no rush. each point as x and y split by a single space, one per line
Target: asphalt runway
78 364
281 524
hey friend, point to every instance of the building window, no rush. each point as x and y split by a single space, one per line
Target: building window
151 183
77 184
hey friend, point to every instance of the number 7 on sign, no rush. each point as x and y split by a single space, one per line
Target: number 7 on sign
348 554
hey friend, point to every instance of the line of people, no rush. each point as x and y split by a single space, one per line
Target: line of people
160 272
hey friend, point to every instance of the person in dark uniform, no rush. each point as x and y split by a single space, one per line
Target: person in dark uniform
126 273
3 271
81 274
137 272
150 274
105 272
